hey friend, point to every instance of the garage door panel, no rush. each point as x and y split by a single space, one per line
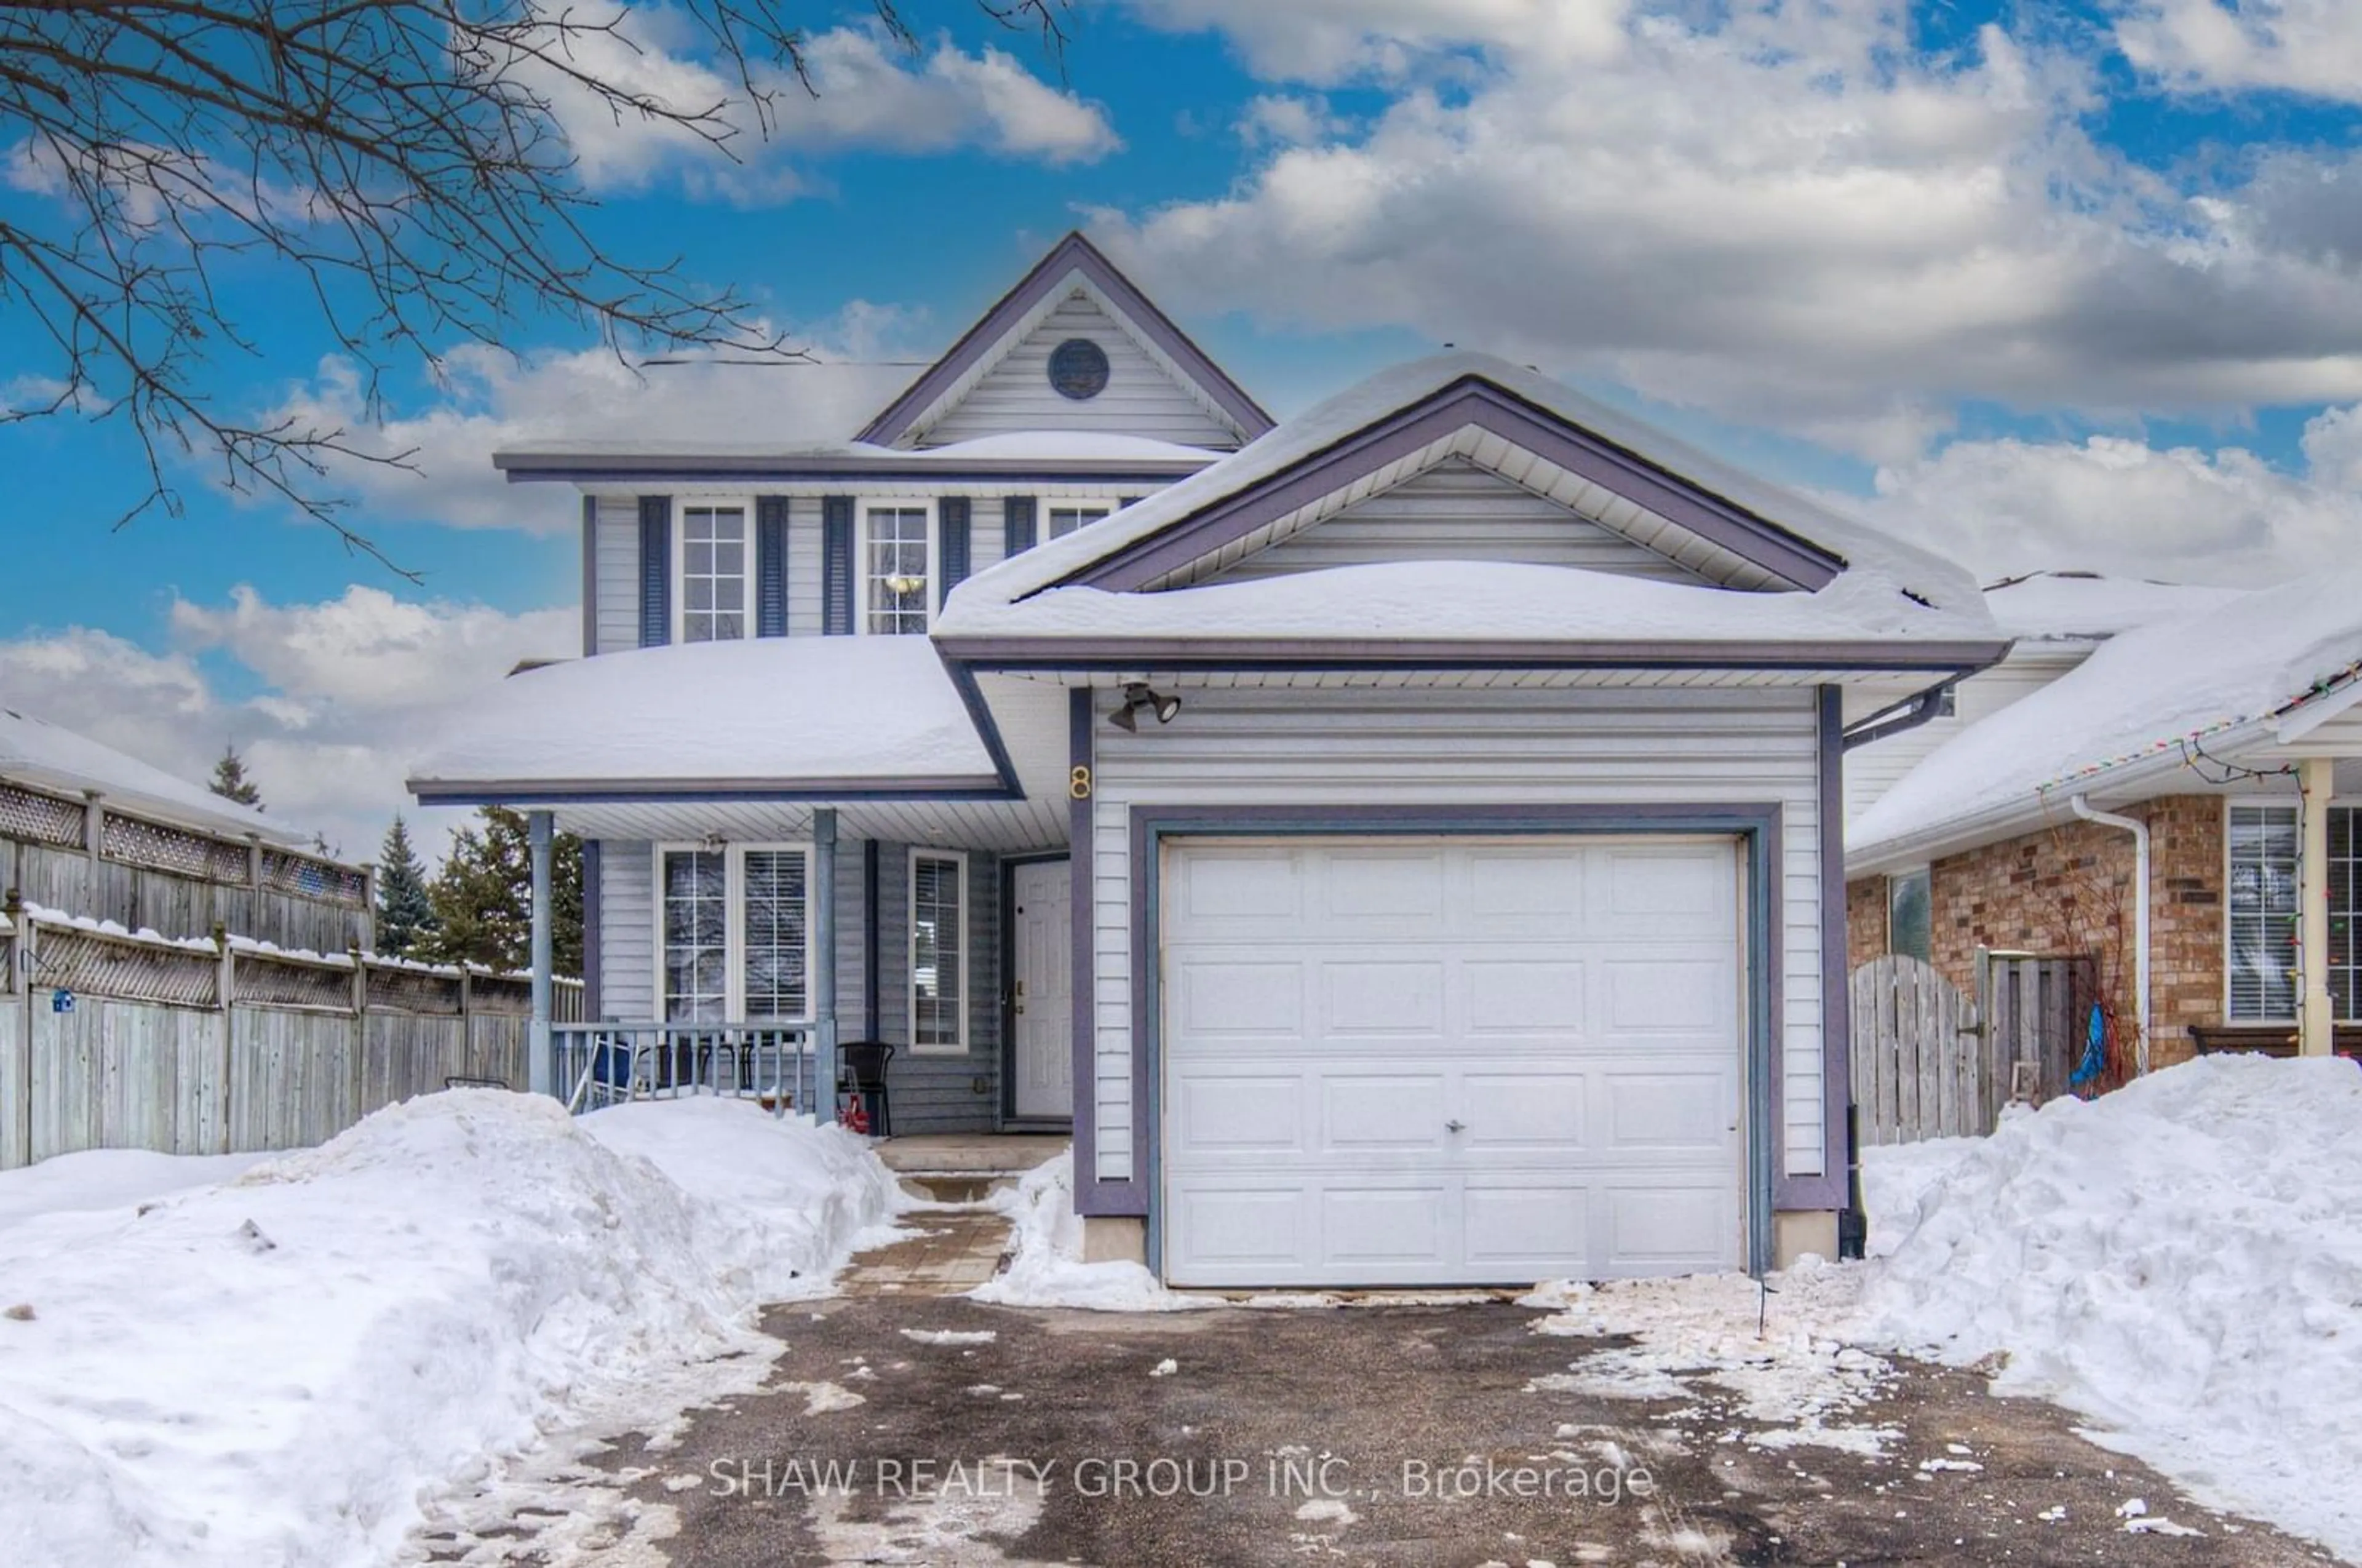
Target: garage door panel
1524 1111
1532 1227
1228 1114
1384 1225
1367 1113
1401 998
1571 1004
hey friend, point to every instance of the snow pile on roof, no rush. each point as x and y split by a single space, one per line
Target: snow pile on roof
40 753
2179 1261
288 1367
750 713
2135 699
699 404
1954 608
1413 601
1045 1266
1076 446
2083 606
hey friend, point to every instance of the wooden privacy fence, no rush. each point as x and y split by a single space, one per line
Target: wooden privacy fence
112 1041
1929 1062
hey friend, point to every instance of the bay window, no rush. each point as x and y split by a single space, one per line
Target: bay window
734 932
712 571
938 952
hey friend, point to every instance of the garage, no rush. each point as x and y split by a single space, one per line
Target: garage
1451 1060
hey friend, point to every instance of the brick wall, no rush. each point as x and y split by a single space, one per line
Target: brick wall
2067 889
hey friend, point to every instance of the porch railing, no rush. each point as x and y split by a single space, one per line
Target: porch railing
776 1065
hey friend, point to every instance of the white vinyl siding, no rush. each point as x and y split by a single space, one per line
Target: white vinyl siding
2259 914
1141 397
626 930
615 574
1441 749
1458 511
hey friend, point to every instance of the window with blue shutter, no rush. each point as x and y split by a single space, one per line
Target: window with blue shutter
771 566
836 564
1016 524
655 571
952 531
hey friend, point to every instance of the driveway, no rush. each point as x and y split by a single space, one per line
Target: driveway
918 1430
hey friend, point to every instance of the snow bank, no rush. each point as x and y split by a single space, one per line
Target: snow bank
75 1184
2180 1260
1046 1267
283 1368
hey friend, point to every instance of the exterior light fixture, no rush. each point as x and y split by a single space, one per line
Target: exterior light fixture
1137 699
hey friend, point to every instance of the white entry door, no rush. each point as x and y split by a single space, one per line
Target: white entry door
1043 989
1450 1061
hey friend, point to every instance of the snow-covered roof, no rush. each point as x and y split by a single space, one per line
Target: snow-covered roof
1888 590
2220 678
2083 606
759 714
39 753
1009 450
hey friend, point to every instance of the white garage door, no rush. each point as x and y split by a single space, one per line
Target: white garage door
1450 1061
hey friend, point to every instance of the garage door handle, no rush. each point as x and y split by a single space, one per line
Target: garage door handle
1456 1127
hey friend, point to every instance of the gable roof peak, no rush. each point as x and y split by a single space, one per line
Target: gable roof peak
1041 285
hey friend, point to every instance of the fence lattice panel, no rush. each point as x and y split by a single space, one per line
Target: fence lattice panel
88 962
270 982
160 848
37 818
286 873
414 990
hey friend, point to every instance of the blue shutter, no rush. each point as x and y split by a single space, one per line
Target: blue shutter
1016 524
952 529
655 571
770 565
836 564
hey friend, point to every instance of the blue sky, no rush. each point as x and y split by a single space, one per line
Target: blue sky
2044 285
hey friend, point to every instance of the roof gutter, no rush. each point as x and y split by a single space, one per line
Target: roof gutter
2139 830
1898 718
597 467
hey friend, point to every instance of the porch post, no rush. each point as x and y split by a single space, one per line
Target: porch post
2315 1018
540 1073
823 978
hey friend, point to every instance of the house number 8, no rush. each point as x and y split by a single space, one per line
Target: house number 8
1079 783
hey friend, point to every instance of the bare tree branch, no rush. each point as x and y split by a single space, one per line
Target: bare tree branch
403 163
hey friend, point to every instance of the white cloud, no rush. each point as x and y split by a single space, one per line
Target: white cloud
867 93
2119 505
2197 46
1332 40
1785 215
1288 120
350 690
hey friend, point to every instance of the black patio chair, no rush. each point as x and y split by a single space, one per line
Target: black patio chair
863 1072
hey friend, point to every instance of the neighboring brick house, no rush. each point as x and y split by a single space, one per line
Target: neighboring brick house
2227 725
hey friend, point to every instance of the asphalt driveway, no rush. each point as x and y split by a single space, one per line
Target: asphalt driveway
916 1429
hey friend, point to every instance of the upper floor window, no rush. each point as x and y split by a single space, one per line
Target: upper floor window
1065 517
712 571
896 568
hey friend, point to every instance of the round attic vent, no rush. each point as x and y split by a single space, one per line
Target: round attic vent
1078 369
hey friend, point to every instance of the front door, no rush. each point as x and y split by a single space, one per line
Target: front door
1043 1000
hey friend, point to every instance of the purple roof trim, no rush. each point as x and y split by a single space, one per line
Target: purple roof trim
1071 254
1471 400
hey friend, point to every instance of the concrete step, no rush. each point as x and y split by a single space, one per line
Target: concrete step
970 1154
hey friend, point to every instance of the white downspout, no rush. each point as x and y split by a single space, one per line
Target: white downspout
2139 830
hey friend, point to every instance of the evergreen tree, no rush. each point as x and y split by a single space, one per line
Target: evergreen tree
482 897
405 912
230 782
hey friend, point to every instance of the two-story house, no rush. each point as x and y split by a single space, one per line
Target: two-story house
1393 839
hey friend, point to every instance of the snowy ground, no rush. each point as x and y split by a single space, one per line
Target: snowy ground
290 1367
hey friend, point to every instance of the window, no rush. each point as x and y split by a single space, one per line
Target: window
938 954
1064 520
713 572
2344 911
896 568
1909 911
734 935
2260 913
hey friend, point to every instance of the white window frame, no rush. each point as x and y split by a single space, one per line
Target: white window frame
681 507
1049 503
910 951
2276 803
733 887
862 508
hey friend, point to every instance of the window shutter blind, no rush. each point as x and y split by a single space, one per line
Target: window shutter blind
771 566
836 564
655 571
1016 524
952 528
